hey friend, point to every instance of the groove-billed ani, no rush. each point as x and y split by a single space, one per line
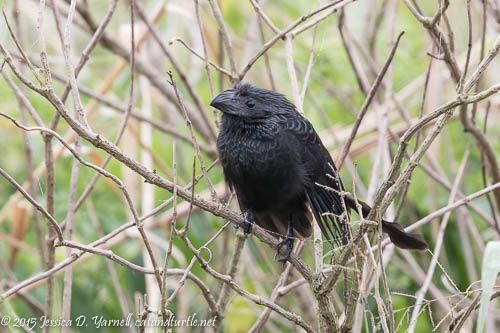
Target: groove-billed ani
278 166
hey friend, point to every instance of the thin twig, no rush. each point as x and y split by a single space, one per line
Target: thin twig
225 36
439 243
367 103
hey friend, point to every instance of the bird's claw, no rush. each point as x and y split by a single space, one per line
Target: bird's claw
288 241
247 227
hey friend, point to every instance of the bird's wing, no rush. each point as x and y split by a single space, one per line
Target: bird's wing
321 180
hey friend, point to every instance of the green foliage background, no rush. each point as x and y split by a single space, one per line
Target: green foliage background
93 293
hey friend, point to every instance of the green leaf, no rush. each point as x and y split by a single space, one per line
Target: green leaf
491 266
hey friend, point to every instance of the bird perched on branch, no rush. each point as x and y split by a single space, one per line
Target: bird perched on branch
281 171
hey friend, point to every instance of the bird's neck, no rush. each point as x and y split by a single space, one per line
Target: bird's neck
238 126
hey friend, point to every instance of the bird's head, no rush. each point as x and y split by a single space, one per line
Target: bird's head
250 102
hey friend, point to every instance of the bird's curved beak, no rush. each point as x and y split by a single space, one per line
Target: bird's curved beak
225 102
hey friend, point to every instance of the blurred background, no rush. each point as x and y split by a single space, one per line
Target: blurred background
325 57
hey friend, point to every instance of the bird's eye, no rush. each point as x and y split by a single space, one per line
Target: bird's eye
250 104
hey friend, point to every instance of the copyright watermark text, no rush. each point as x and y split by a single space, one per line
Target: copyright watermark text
99 321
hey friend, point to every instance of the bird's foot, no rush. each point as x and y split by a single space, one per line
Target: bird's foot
288 241
249 220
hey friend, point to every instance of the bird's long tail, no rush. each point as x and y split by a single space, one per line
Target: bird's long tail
395 231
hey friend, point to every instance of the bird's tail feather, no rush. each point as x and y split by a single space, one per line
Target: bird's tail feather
403 239
395 231
329 215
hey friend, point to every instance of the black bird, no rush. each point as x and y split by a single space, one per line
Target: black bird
279 168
